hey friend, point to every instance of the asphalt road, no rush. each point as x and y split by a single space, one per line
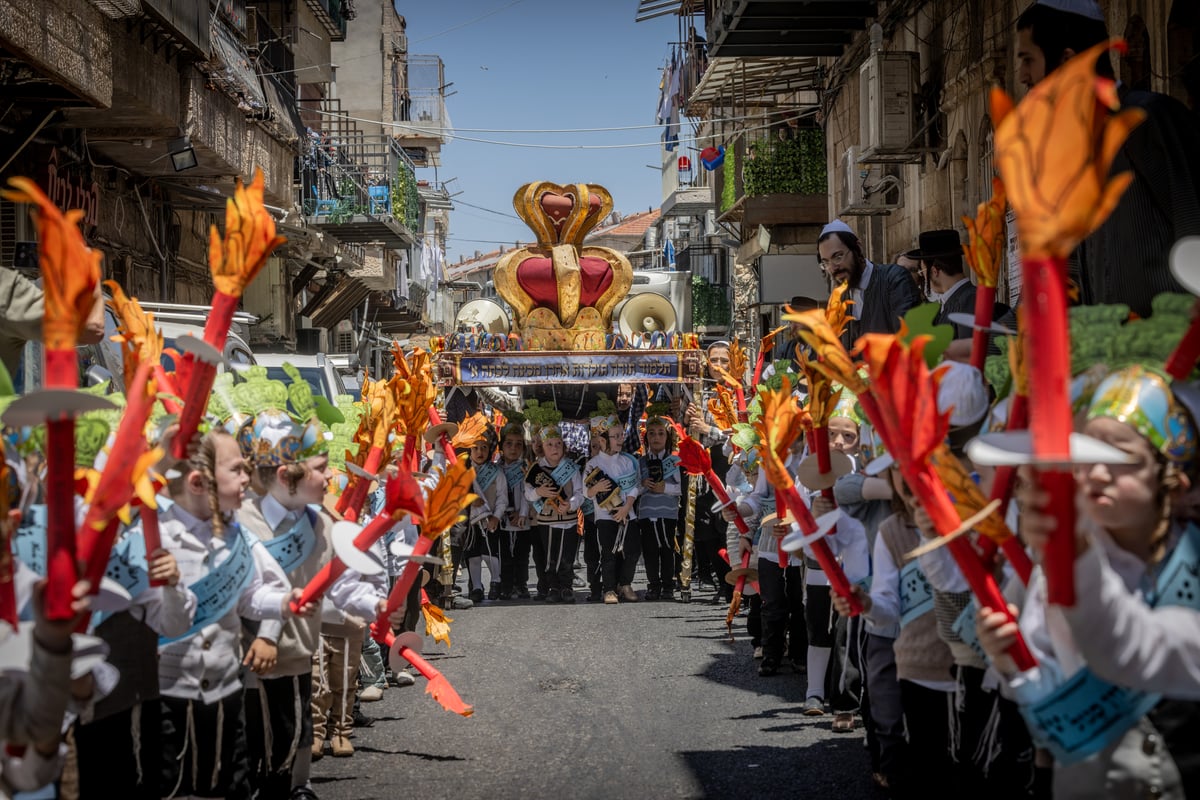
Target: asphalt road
646 700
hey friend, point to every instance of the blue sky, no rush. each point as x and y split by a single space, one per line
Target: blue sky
539 64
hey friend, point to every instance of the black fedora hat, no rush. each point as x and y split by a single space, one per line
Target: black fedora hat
936 244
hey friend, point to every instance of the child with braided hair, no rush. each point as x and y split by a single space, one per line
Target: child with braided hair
233 577
658 507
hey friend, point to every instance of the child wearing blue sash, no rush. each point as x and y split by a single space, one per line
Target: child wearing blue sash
515 544
233 577
554 492
291 461
612 484
658 506
740 482
591 544
1112 738
908 672
481 544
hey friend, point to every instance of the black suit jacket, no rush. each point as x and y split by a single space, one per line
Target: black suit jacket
887 298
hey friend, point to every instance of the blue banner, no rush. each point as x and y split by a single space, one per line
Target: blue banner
916 595
293 548
533 368
218 591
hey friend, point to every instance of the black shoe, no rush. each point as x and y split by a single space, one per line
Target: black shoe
568 596
667 595
594 597
361 720
523 592
652 595
768 667
477 596
494 593
553 596
303 793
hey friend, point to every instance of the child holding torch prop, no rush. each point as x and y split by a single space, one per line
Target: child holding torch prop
70 274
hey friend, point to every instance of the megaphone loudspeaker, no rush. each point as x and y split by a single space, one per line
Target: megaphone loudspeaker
647 312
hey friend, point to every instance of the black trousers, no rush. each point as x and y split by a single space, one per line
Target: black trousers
846 691
1005 770
559 545
616 569
754 620
191 759
591 553
927 750
658 552
515 547
479 541
538 548
109 765
782 592
271 771
889 753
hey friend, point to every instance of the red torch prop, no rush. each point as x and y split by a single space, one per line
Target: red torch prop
408 647
781 423
382 399
984 252
234 260
8 527
402 496
1055 151
1185 266
126 473
70 274
695 460
902 407
444 507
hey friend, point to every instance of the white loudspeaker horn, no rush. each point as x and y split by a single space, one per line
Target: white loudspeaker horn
646 313
486 315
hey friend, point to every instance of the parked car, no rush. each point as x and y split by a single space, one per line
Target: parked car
346 365
102 361
317 369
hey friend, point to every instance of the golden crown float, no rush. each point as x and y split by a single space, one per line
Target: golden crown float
562 294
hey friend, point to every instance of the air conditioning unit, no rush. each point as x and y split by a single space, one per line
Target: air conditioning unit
867 189
345 341
887 92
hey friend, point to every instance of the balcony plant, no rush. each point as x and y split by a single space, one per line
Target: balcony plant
794 165
710 302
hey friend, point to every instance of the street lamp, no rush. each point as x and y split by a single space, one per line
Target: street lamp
183 155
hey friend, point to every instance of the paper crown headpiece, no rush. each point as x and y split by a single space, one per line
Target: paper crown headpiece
1143 400
273 439
847 407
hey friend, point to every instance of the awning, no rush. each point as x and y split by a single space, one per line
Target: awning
230 70
649 9
347 294
283 119
756 82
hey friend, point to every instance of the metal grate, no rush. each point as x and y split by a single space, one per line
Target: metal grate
118 9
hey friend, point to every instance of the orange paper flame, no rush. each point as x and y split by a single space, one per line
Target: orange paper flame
739 362
415 405
470 430
140 340
782 421
987 237
822 399
907 392
437 624
445 502
1054 151
70 269
249 239
723 408
1016 358
822 331
766 345
966 495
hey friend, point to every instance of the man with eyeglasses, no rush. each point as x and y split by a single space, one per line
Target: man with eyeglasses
882 293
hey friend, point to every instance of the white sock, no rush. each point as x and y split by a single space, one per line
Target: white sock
818 664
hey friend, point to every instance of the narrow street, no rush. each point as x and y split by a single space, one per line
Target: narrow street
594 701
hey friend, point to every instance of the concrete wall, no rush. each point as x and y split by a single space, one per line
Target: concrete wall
362 67
67 40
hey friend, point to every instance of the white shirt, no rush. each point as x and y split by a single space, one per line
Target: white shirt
856 293
205 666
615 467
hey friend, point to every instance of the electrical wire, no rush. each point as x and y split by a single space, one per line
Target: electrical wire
489 210
536 146
462 25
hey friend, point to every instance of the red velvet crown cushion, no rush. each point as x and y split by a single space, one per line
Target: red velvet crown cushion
536 276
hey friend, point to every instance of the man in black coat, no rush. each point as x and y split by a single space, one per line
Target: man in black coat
882 293
944 277
1126 259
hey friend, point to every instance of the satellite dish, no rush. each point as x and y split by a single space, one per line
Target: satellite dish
487 315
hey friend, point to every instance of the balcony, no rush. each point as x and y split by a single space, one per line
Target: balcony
709 265
772 28
420 111
686 193
358 188
331 15
770 181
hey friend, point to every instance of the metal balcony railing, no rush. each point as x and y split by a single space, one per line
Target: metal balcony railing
346 174
422 106
709 262
330 13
